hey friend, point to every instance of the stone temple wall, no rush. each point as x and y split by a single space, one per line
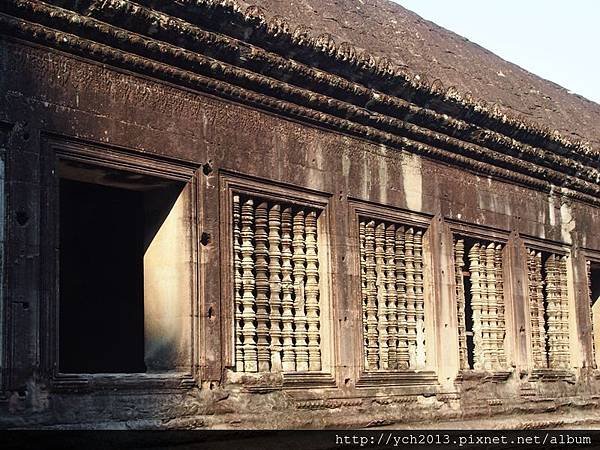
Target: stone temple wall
316 277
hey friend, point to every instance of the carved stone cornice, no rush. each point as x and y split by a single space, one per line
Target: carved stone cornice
157 43
275 33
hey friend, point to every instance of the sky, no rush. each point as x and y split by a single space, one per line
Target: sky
558 40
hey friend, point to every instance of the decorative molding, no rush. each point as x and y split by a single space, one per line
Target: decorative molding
75 383
331 403
483 376
343 59
551 375
191 68
397 378
299 380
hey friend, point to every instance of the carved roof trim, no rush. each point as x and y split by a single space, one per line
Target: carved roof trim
314 97
277 34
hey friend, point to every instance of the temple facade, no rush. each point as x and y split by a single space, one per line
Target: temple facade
218 214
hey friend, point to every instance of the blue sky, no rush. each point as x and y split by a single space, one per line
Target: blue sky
559 40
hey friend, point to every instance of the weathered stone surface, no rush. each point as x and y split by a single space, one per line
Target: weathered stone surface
297 192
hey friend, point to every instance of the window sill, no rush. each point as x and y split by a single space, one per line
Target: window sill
551 375
122 382
397 378
484 375
272 381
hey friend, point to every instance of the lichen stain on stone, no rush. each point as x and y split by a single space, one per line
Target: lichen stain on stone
567 223
412 182
383 175
366 179
551 210
346 164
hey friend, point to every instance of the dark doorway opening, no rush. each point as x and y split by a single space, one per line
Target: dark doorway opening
101 279
108 220
595 282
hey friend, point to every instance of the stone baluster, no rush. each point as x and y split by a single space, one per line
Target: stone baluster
564 313
237 284
382 336
275 286
533 313
538 311
312 292
552 312
262 287
492 307
392 296
248 300
287 303
501 308
533 309
363 285
299 273
402 355
459 263
476 305
372 345
541 310
419 300
485 309
411 322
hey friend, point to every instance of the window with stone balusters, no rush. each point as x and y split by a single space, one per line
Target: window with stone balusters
549 309
593 279
480 304
391 263
278 295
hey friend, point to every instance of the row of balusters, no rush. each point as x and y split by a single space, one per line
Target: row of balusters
486 303
391 261
549 310
277 312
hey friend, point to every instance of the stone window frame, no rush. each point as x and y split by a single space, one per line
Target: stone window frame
591 257
4 234
474 231
561 249
422 380
231 183
55 149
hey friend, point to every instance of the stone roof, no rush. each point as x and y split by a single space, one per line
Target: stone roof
351 77
424 49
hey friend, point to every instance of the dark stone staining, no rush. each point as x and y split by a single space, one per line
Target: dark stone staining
205 239
207 168
22 218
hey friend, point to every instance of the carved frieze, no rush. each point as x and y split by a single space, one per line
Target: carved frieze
180 56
